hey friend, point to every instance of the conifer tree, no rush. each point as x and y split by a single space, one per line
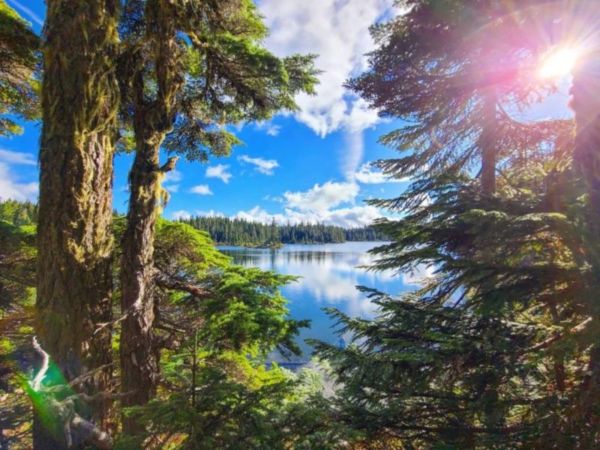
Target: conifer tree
80 107
454 71
187 70
496 349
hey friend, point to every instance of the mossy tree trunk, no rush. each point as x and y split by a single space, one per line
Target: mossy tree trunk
80 104
153 119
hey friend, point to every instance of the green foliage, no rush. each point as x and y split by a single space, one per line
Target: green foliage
17 254
497 349
436 68
220 73
220 323
247 310
491 345
227 413
18 213
19 86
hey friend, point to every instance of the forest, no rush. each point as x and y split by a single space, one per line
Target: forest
224 230
132 331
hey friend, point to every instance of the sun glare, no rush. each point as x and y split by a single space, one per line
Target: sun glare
558 63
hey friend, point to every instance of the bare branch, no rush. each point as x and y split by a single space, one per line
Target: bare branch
180 285
36 384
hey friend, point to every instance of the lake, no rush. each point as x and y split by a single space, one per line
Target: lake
329 276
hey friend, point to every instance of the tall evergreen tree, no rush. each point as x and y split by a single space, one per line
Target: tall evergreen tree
497 349
80 107
454 71
187 70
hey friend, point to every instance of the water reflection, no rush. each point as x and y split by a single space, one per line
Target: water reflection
329 276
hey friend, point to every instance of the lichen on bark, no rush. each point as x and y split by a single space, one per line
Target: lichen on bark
79 104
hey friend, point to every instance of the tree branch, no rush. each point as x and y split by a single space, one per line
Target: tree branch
181 285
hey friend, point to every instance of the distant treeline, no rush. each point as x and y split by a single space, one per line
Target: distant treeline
18 213
243 232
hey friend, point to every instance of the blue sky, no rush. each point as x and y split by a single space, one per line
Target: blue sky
309 166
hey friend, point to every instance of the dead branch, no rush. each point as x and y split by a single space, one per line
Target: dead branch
80 379
76 429
180 285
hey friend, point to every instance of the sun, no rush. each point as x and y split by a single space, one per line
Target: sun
558 63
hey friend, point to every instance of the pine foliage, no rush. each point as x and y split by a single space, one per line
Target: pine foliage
497 348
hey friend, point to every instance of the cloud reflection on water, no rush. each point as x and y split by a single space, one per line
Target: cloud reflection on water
329 276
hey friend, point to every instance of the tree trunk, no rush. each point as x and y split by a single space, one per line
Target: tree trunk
79 102
488 144
153 120
139 360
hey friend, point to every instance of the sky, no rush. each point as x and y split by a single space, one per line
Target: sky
312 165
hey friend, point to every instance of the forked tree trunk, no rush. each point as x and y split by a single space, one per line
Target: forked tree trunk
139 359
80 103
153 120
488 144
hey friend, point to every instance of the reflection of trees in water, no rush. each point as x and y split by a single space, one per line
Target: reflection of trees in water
258 257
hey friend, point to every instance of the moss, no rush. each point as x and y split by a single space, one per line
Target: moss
25 329
6 346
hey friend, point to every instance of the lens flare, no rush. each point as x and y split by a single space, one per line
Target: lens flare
558 63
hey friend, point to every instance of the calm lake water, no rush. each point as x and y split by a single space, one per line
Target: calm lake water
329 276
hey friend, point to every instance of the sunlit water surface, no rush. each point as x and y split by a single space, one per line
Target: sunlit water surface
329 276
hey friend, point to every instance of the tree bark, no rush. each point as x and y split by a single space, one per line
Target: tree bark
139 360
153 119
488 144
79 102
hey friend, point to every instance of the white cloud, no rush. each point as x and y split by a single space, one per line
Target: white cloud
10 188
352 217
173 176
172 179
273 198
322 197
265 166
181 215
320 204
367 174
357 216
10 157
268 127
338 32
211 213
220 171
201 189
330 203
257 214
352 153
419 276
185 214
